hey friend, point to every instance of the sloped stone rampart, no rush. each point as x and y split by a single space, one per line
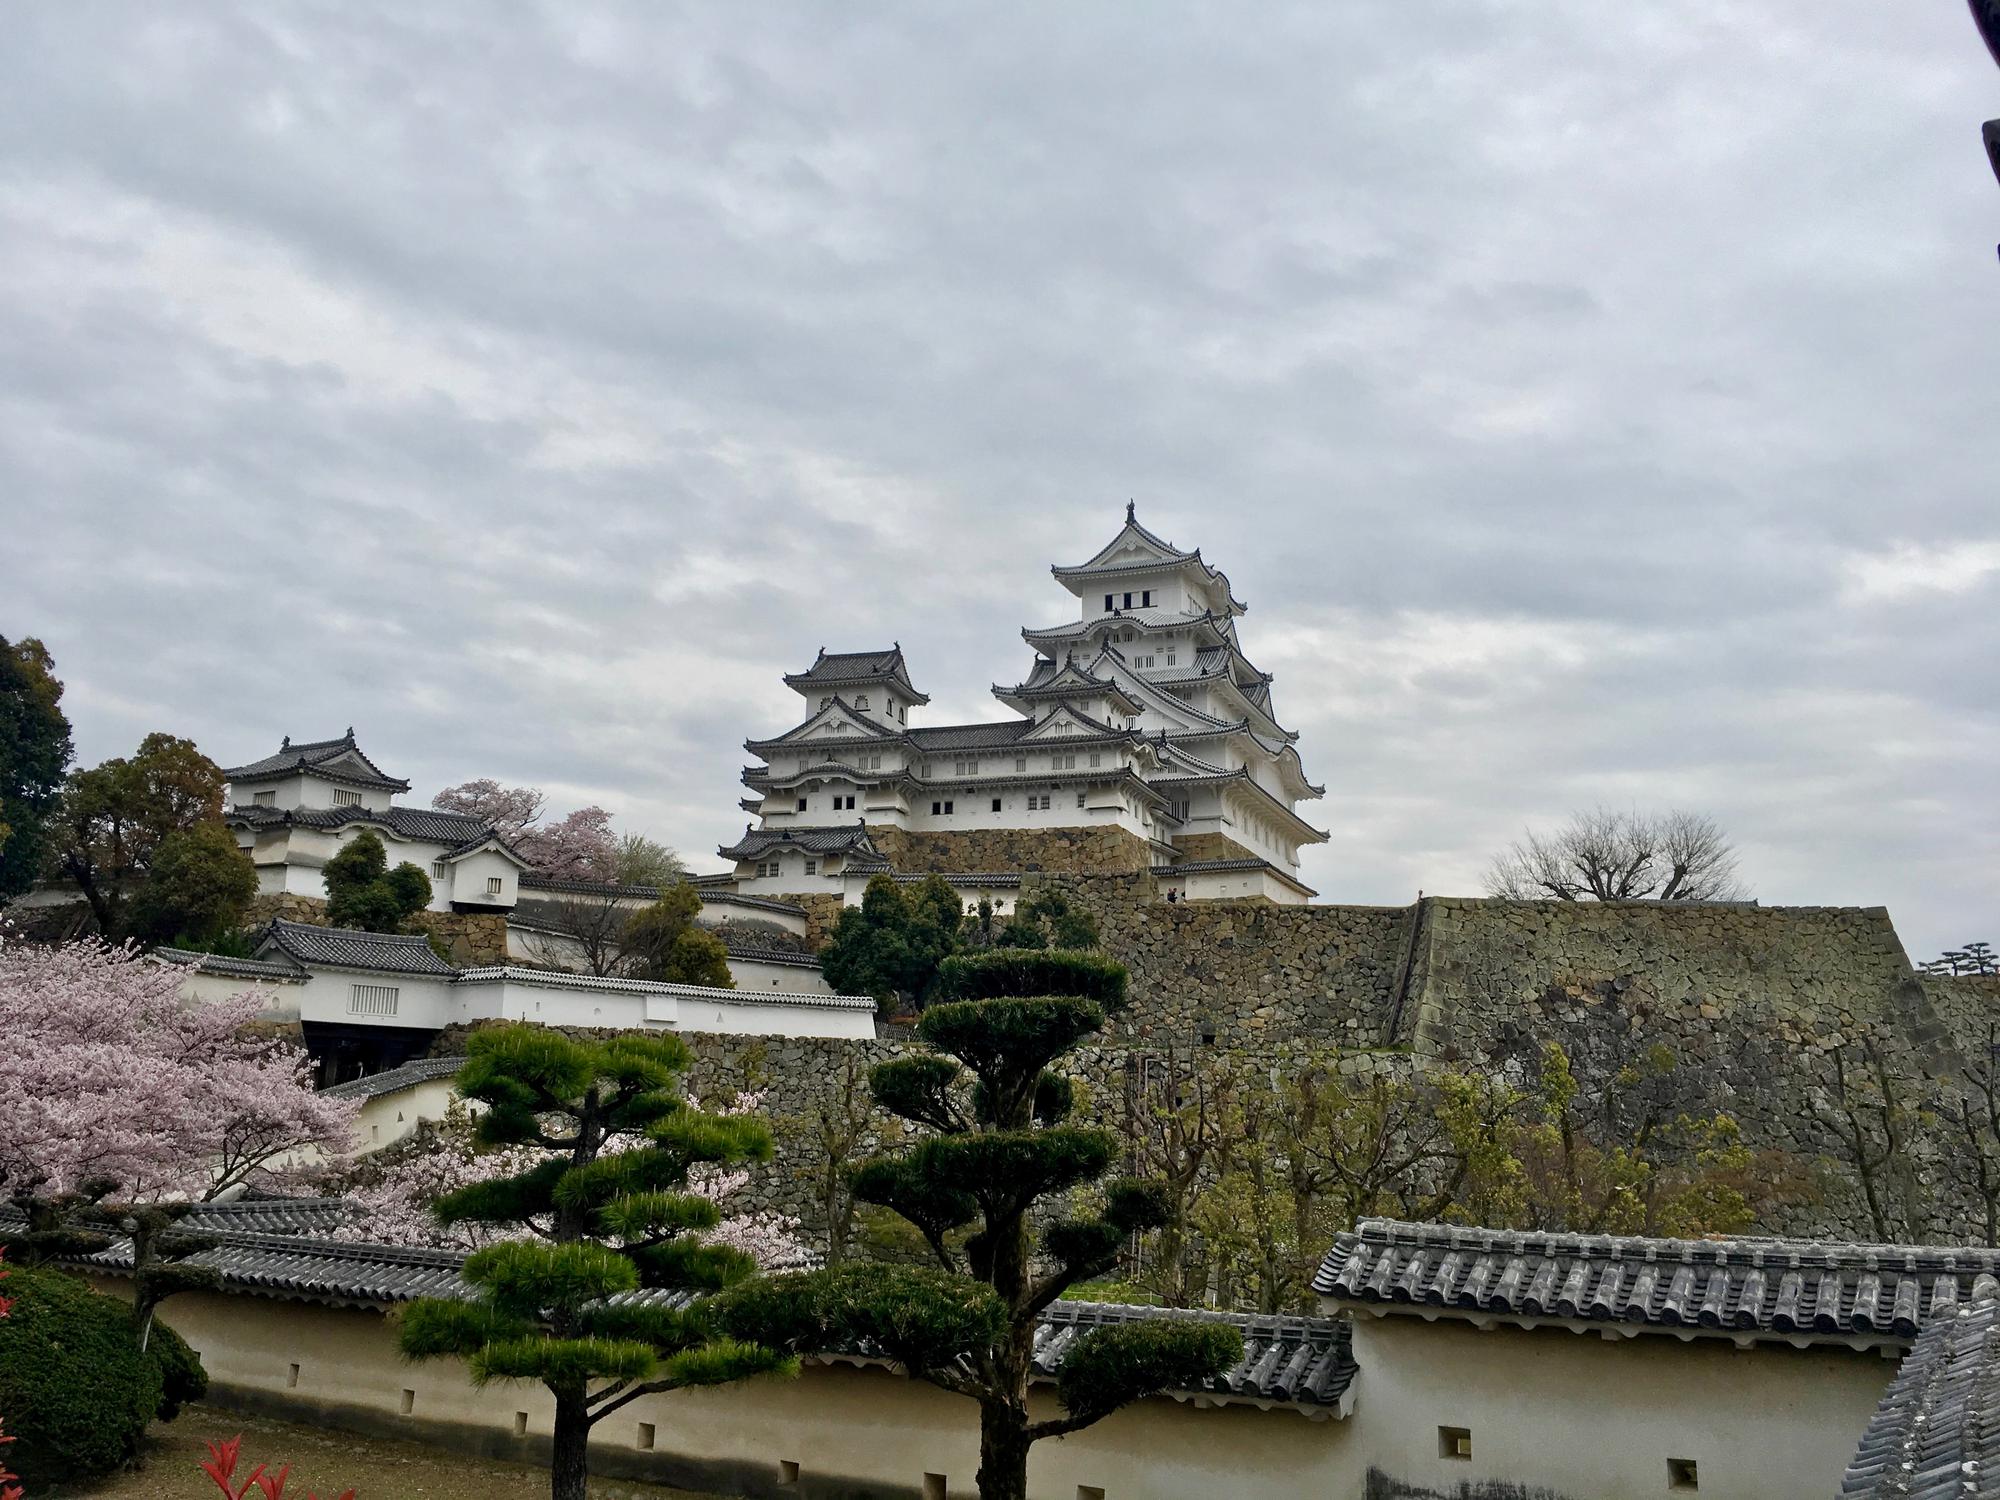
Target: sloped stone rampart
1082 851
1250 973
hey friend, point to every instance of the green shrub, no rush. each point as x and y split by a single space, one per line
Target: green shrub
77 1391
182 1379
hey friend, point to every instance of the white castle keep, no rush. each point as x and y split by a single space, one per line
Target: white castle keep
1141 738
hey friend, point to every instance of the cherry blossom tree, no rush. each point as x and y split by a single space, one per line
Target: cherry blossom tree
115 1090
580 846
395 1207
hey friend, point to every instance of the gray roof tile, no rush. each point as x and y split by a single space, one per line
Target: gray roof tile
424 823
344 948
837 840
409 1075
1936 1435
830 668
314 756
1799 1291
227 967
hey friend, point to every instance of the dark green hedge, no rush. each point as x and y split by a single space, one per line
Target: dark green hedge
1014 973
75 1389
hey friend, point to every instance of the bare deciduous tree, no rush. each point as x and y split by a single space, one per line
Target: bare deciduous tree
1621 856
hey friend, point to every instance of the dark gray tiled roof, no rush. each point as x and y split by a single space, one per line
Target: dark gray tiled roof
754 903
758 954
1796 1290
839 840
608 890
832 667
996 879
1298 1361
227 967
409 1075
970 736
273 1213
1936 1435
344 948
314 755
421 823
1223 866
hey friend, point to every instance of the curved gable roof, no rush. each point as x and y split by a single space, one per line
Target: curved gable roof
334 760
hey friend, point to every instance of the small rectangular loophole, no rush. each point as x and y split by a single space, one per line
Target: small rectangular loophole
1455 1442
1090 1492
409 1402
934 1487
520 1424
292 1378
1683 1474
788 1471
645 1434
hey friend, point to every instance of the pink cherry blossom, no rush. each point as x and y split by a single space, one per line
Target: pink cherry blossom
106 1073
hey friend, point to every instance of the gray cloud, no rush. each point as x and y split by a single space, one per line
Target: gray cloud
1591 406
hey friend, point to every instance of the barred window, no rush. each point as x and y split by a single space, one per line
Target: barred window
372 1000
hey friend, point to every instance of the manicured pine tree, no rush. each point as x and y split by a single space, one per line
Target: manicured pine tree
994 1144
612 1214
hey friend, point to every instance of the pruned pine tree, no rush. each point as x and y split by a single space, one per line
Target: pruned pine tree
612 1216
993 1143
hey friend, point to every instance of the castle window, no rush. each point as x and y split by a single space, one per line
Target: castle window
1128 601
861 702
802 804
1041 802
1108 606
843 804
371 999
1455 1442
1079 799
264 799
344 798
437 869
1146 599
492 885
1170 656
1063 762
812 867
1020 762
1682 1474
1094 757
996 804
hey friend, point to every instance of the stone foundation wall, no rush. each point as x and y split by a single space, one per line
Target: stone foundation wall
470 939
822 909
1195 846
309 911
1082 851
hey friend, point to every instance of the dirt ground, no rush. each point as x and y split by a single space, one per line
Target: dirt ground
326 1463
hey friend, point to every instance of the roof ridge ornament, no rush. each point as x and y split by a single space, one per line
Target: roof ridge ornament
1131 511
286 743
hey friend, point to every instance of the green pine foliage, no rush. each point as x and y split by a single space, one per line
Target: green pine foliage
890 946
363 892
993 1147
612 1216
77 1389
1047 920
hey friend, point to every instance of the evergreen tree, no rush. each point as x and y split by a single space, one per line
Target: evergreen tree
1047 920
198 889
662 942
613 1213
34 749
890 945
363 892
992 1146
113 818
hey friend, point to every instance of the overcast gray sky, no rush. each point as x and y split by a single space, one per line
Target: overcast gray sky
1594 403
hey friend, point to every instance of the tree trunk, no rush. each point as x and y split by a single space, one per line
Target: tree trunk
569 1458
1003 1451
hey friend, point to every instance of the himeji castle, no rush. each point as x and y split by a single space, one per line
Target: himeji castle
1141 738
